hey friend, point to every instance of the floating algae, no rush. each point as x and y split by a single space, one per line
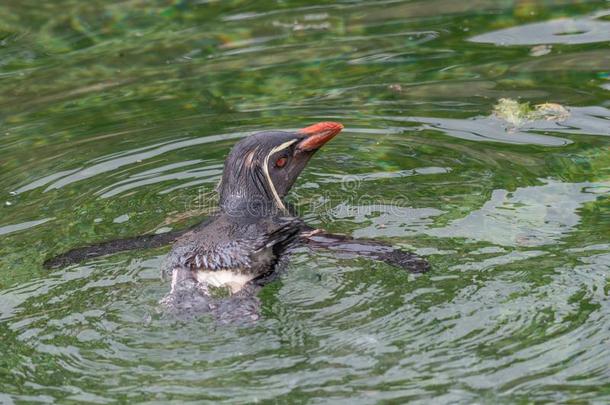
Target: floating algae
516 113
551 112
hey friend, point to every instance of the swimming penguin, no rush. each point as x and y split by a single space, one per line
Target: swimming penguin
239 248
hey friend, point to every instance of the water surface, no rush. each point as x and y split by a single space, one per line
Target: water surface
115 118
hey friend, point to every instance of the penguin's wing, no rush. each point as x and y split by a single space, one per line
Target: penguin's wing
278 234
346 246
114 246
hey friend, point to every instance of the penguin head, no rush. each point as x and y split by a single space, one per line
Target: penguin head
262 168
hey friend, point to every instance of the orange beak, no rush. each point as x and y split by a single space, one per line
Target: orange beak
318 134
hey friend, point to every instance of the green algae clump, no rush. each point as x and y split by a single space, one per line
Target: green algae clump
516 113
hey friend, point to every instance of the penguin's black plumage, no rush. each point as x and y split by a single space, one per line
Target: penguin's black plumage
239 247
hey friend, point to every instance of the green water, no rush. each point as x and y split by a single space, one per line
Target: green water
115 118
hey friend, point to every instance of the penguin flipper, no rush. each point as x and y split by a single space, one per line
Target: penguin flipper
106 248
319 239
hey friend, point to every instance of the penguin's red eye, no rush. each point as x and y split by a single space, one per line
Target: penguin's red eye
281 162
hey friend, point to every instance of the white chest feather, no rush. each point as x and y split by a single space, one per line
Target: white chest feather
224 278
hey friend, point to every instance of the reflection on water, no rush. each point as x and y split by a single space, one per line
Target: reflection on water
4 230
115 118
582 120
118 162
530 216
561 31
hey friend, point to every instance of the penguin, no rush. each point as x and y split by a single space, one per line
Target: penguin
241 246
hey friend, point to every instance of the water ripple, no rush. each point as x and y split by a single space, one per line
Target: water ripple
114 116
561 31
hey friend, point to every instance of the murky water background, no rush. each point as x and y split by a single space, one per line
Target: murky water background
115 118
